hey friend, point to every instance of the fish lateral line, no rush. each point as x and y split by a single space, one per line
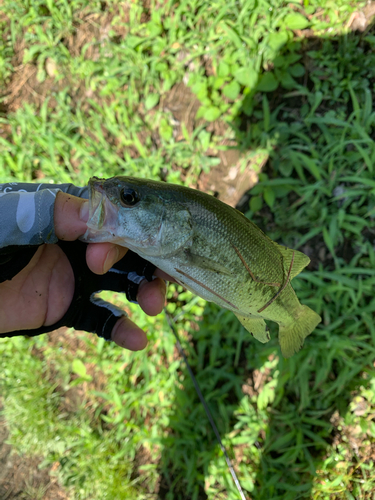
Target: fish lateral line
249 270
206 288
281 289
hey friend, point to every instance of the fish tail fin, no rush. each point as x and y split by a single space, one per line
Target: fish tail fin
292 335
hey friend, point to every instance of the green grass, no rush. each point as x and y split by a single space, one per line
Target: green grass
124 425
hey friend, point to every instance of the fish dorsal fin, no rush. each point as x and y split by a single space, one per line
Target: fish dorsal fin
300 260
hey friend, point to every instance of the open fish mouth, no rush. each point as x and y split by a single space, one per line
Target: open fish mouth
96 205
103 215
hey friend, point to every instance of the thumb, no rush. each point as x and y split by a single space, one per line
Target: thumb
70 216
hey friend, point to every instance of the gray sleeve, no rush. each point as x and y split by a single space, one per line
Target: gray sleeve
26 212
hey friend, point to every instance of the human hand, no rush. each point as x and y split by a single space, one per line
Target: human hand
42 292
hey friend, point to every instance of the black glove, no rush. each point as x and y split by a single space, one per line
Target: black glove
86 312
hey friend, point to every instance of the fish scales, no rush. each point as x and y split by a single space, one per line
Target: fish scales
207 246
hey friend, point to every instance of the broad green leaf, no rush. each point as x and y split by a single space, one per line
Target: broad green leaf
218 82
199 87
296 21
246 76
269 196
154 29
232 90
201 112
212 113
151 101
268 82
287 81
277 40
79 368
223 69
297 70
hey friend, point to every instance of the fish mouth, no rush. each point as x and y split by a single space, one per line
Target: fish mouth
103 215
97 199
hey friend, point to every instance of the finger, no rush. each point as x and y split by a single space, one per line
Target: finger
151 296
128 335
164 276
70 216
100 257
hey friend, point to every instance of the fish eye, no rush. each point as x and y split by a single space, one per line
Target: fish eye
129 197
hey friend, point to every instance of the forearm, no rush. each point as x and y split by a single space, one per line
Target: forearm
27 212
28 215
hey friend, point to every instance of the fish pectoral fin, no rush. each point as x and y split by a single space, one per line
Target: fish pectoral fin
256 326
300 260
203 262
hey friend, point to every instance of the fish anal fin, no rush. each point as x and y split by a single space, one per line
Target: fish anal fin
256 326
299 263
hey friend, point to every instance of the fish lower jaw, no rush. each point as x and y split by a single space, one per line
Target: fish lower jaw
94 236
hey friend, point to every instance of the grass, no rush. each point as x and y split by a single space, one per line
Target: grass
101 74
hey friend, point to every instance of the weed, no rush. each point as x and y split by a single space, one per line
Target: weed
294 86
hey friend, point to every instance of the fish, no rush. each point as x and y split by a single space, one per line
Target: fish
207 246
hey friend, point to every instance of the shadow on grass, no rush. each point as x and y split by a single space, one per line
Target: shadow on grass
291 432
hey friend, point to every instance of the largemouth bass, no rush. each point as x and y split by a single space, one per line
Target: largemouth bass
208 247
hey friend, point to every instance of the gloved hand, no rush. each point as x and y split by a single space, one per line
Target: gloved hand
54 285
